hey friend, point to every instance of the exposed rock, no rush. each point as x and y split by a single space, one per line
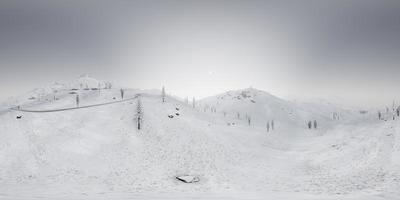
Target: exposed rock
188 179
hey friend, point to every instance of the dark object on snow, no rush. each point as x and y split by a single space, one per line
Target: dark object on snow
19 116
72 93
176 108
170 116
177 114
253 101
309 125
188 178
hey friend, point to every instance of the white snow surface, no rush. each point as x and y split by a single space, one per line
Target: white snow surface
97 152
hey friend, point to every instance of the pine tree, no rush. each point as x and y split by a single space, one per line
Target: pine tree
139 113
77 100
272 125
122 93
163 94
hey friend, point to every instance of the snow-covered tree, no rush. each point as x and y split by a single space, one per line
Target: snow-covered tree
272 124
77 100
107 85
163 94
139 113
187 100
122 93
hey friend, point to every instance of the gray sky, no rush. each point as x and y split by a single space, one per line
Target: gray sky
343 48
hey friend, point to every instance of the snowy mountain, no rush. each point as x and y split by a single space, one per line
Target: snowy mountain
262 107
97 152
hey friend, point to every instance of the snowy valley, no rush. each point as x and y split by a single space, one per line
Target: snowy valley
242 144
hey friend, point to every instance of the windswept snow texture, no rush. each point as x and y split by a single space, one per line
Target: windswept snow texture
97 152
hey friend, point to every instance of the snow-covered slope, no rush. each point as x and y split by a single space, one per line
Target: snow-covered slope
263 107
97 152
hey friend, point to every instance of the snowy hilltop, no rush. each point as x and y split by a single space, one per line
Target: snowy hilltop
81 140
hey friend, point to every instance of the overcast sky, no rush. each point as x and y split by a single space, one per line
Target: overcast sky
345 49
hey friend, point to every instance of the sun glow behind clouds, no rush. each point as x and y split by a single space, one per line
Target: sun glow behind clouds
200 57
304 48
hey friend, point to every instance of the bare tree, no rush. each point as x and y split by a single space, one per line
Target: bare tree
139 113
163 94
